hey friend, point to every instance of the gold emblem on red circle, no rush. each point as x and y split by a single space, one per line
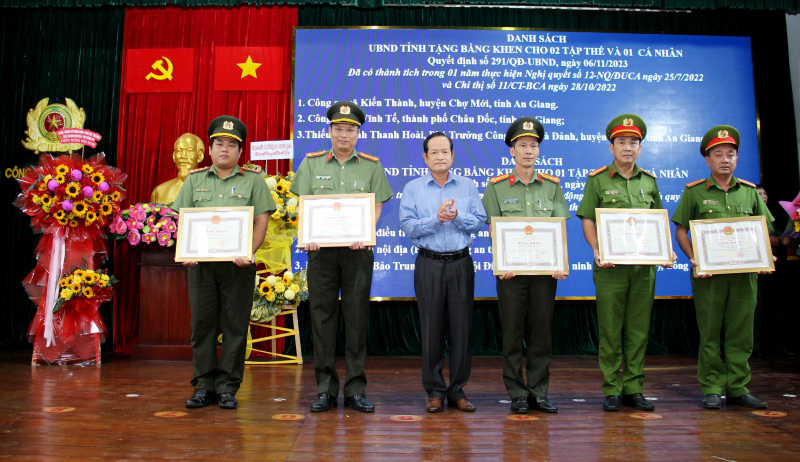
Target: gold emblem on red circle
288 417
727 230
528 230
216 219
406 418
722 134
337 206
227 125
344 110
527 125
632 221
627 123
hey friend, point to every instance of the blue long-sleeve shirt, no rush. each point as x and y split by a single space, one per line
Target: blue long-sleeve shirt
419 210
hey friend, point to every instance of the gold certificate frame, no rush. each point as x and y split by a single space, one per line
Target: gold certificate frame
336 220
529 246
634 236
214 234
731 245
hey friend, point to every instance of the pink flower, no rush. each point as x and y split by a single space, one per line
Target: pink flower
134 237
150 220
172 227
163 237
164 211
139 213
66 205
148 237
132 223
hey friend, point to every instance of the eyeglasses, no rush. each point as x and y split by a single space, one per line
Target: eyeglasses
343 131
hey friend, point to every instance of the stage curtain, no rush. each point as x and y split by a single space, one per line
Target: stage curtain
55 53
150 123
790 5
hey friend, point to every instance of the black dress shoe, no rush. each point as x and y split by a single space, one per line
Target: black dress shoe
360 403
519 405
611 403
747 400
712 401
200 398
637 401
226 401
540 403
323 403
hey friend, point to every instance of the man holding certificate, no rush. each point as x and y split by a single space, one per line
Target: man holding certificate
724 300
625 293
526 301
221 292
439 212
341 170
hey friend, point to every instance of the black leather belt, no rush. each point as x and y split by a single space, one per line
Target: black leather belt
452 256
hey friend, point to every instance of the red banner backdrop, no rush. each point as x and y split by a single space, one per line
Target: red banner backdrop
149 123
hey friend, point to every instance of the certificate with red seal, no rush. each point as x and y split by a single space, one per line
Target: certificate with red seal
336 220
214 234
731 245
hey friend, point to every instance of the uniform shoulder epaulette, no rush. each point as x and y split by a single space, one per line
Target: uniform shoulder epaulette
367 156
601 169
500 178
747 183
695 183
199 169
651 174
251 169
315 154
552 178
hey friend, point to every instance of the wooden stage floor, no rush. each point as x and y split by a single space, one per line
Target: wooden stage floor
116 405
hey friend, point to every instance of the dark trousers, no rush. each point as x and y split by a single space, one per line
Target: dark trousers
330 270
526 304
220 293
445 287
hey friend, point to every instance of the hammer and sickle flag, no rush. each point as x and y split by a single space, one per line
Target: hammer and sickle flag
248 68
159 70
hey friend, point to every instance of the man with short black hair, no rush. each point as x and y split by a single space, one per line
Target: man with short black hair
439 212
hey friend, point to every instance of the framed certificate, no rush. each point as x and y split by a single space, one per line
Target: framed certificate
214 233
731 245
634 236
529 245
336 220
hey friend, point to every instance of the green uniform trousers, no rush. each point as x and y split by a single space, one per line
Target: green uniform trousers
729 301
330 270
624 302
220 293
526 304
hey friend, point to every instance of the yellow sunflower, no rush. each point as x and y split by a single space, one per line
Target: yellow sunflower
63 282
62 170
60 215
42 186
106 208
79 208
87 169
97 196
87 292
264 289
75 288
73 224
61 179
101 283
280 188
293 221
90 217
78 273
72 189
115 196
46 200
98 178
62 221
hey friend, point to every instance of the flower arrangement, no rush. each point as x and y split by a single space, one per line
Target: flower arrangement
287 203
69 193
87 284
276 291
146 223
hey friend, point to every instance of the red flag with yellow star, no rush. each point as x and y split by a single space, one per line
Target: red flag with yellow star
248 68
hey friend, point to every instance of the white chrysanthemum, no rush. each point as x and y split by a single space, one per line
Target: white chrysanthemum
288 275
292 202
271 280
271 182
288 295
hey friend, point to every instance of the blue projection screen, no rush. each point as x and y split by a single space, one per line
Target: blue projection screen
471 84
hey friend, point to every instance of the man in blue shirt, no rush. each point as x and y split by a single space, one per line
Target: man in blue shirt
439 212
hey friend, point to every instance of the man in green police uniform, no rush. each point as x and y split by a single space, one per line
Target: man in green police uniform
625 293
341 170
526 302
727 300
222 292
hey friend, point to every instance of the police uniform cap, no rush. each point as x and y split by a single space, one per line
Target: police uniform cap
525 126
227 126
626 125
720 134
346 112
